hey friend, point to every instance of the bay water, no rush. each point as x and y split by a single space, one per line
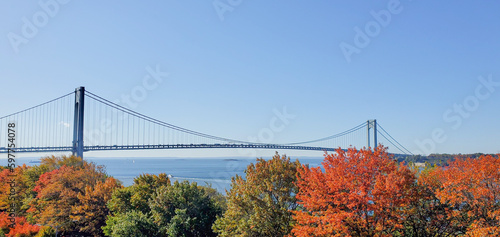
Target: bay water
213 171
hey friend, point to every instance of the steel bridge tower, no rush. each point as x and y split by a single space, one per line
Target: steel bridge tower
78 122
369 125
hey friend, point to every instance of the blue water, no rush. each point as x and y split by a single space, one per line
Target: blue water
216 172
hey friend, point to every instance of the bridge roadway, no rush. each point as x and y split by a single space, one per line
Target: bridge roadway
173 146
178 146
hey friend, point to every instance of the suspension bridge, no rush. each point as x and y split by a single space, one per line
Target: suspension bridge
82 121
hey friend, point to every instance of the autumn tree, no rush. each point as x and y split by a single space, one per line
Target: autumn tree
58 193
50 163
355 193
92 210
185 209
30 176
472 188
14 190
21 227
426 215
24 178
260 204
17 192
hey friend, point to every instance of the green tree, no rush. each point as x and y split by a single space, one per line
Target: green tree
182 209
260 205
137 196
133 223
130 205
185 209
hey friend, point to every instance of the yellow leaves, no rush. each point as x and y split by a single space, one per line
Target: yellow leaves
478 229
91 208
260 204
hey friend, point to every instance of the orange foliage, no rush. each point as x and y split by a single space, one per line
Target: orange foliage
21 228
92 209
359 192
472 187
58 193
427 215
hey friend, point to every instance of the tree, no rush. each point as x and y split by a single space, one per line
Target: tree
427 215
130 213
92 209
472 188
50 163
46 231
132 223
358 193
18 194
14 190
137 196
21 228
185 209
182 209
30 176
58 194
24 179
260 205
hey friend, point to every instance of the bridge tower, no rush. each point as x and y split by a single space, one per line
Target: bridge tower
369 125
78 122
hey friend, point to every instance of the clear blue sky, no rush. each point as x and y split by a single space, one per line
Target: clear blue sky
229 70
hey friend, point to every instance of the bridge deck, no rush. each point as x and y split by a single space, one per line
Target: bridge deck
169 146
177 146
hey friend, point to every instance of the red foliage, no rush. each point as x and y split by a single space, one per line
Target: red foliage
21 228
44 180
360 193
60 194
